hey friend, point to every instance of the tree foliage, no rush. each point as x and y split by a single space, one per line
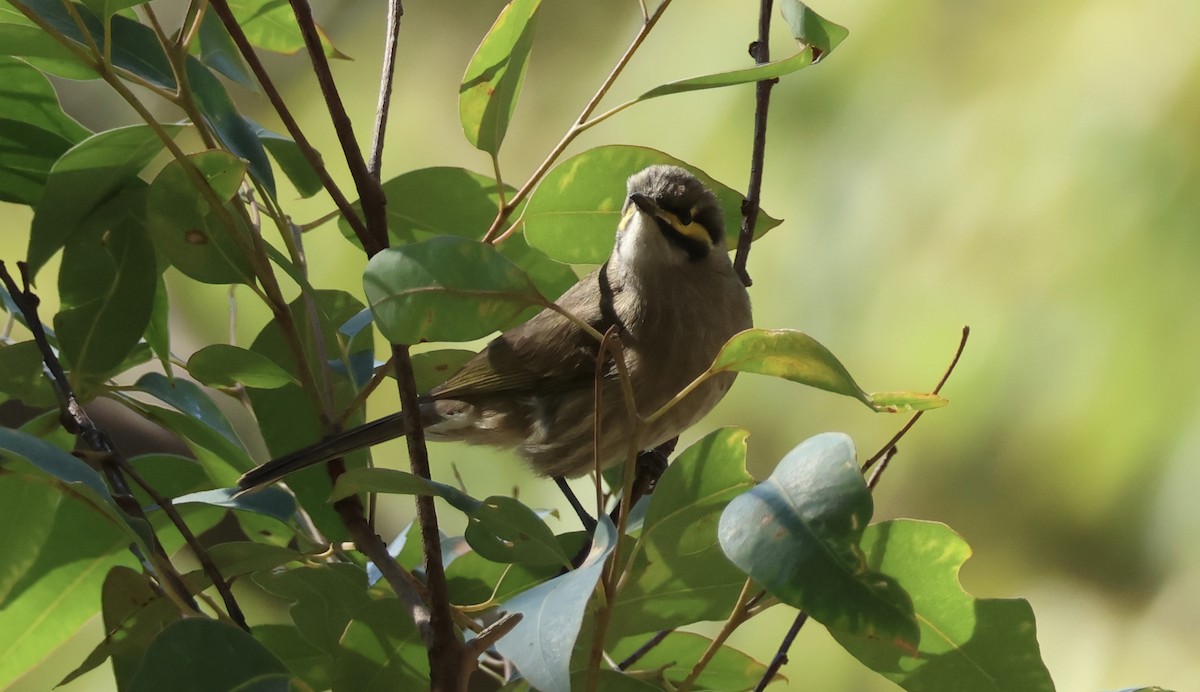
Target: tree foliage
455 255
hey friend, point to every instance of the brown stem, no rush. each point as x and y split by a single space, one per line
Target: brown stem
395 12
445 649
781 655
761 52
370 194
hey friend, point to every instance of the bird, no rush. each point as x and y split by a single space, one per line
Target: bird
673 298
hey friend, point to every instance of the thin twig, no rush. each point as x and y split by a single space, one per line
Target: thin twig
962 344
883 464
760 50
739 614
395 12
644 649
206 561
370 194
781 655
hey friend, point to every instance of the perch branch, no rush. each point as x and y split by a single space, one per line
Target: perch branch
760 50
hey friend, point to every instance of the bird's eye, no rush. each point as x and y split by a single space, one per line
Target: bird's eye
685 217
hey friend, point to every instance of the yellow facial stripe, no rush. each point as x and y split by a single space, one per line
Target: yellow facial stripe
693 230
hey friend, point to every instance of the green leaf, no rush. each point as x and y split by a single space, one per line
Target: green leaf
431 202
60 590
83 179
29 97
771 70
74 477
445 289
27 153
493 78
684 577
473 579
291 161
181 658
573 214
246 557
540 644
797 533
271 502
19 36
200 423
811 28
34 131
107 8
21 375
307 662
135 612
324 599
31 506
158 331
502 529
191 400
271 25
672 660
442 200
235 131
798 357
134 47
223 365
218 51
430 368
188 231
966 643
107 284
381 651
392 481
171 475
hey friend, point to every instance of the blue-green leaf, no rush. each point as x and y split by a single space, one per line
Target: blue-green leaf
797 533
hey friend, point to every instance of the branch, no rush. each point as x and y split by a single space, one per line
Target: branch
404 584
760 50
395 12
445 650
781 655
370 194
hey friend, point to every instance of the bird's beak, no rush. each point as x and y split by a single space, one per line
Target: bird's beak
644 203
691 229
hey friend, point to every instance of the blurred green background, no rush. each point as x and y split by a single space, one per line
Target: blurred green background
1029 169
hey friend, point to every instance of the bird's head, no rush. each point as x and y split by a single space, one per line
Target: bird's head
669 218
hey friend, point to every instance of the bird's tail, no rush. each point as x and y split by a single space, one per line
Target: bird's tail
381 430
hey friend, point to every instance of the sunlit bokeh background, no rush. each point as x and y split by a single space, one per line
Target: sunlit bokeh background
1029 169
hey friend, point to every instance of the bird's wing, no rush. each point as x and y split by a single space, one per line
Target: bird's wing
547 353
